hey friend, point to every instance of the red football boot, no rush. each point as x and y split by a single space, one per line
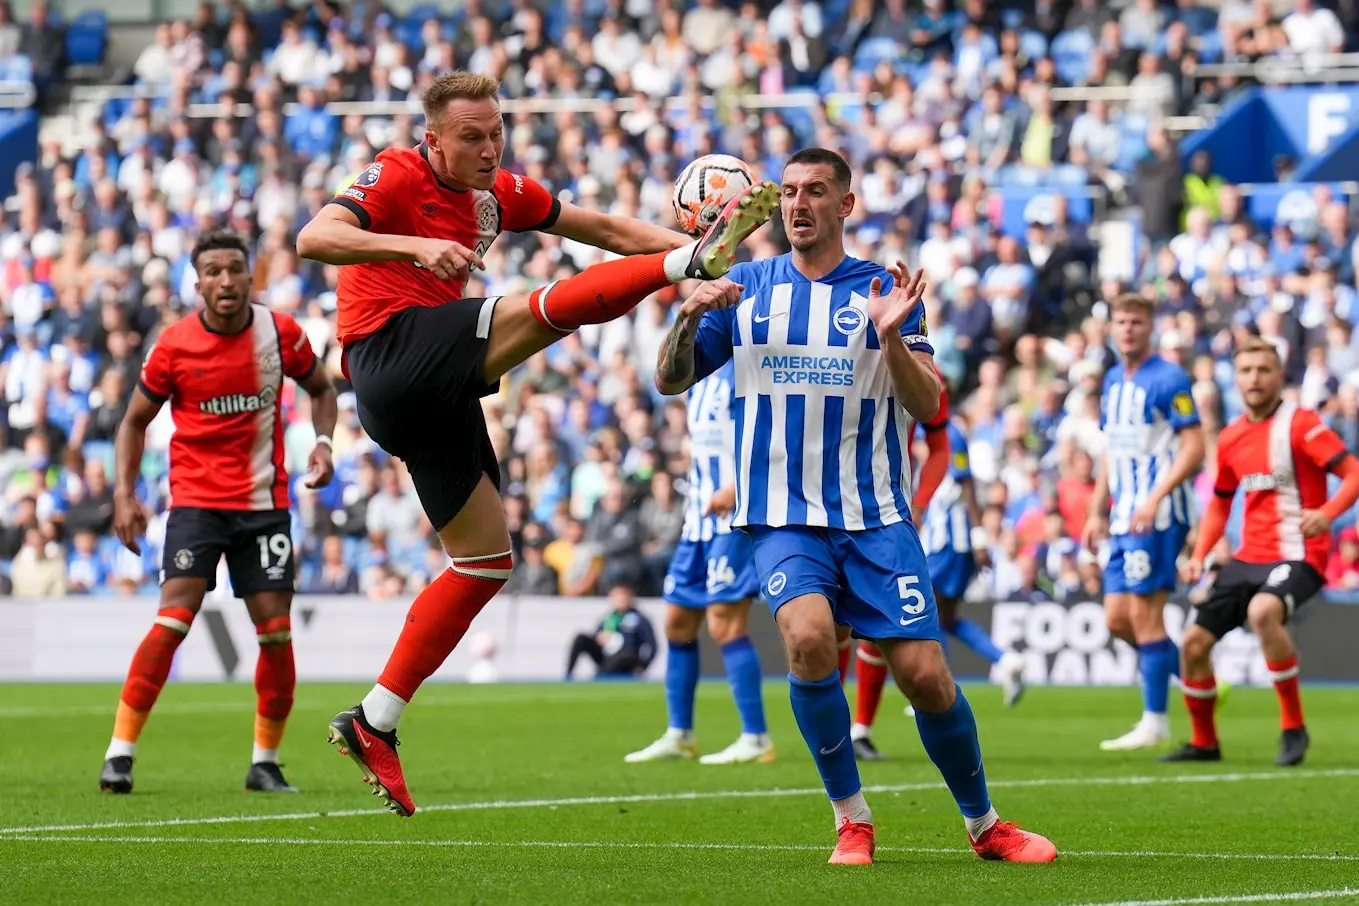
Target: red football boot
1007 843
375 753
855 846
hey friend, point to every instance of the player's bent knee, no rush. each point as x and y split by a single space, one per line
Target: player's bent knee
1265 612
727 622
268 605
682 623
1197 645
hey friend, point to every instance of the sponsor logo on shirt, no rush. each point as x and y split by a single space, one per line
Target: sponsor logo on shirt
1260 481
239 403
369 177
826 371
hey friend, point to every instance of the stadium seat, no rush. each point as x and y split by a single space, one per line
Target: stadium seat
874 51
87 39
1071 54
16 68
1012 18
1033 44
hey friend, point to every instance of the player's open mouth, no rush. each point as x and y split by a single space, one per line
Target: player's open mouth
802 223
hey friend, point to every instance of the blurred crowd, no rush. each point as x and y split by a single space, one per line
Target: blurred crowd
935 103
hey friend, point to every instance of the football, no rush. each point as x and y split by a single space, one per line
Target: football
705 187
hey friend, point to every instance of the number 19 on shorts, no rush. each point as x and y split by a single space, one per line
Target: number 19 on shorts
280 547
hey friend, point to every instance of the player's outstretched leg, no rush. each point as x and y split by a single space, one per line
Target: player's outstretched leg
275 682
1009 665
681 682
871 677
1200 697
727 626
1266 614
1159 660
146 677
948 731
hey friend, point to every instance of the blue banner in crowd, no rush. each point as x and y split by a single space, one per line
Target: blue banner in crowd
1023 205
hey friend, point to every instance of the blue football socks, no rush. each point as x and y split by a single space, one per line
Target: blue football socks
681 679
743 674
951 741
976 638
822 714
1160 661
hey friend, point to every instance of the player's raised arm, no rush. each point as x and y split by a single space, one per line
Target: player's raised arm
681 363
129 520
915 383
336 235
620 235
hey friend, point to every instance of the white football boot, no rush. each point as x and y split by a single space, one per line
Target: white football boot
1011 671
674 744
747 748
1152 731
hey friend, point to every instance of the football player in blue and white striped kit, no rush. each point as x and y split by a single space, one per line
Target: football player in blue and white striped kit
712 572
831 362
1153 447
946 535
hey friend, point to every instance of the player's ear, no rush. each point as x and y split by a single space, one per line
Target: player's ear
847 204
432 140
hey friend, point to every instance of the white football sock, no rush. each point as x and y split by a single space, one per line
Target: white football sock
1160 722
759 739
120 747
263 755
858 731
383 708
978 826
679 735
677 262
852 808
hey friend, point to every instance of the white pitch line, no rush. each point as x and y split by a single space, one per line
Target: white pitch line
1243 898
692 796
635 844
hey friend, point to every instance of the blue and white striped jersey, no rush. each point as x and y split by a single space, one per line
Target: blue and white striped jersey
948 524
1140 415
820 438
712 462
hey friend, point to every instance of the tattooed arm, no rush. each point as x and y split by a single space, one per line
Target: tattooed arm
676 368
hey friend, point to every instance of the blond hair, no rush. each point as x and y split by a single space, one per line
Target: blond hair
1257 344
1133 302
454 86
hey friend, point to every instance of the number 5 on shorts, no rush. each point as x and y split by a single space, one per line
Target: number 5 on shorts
915 600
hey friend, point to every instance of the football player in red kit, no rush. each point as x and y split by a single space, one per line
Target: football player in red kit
1279 454
222 372
406 235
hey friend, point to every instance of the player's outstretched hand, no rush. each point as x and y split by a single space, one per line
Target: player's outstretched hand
711 296
722 502
1313 523
1192 572
320 469
129 521
1094 532
891 311
447 260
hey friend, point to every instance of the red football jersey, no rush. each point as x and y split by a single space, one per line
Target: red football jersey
400 194
1281 462
225 393
938 423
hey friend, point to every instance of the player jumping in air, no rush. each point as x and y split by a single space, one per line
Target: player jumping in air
407 235
945 506
830 363
1154 446
1279 455
222 372
713 570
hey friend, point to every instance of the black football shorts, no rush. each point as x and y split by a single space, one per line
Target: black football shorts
1294 582
418 380
257 544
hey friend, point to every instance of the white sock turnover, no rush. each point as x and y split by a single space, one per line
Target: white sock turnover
383 708
852 808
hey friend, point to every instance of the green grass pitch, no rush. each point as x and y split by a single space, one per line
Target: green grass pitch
524 799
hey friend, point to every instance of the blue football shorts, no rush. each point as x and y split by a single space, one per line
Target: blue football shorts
877 580
718 571
1144 564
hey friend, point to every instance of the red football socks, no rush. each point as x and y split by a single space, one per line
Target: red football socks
1286 686
1200 697
439 618
275 680
846 649
600 293
149 671
872 673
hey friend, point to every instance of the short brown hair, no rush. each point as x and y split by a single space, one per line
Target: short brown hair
1133 301
1257 344
839 166
452 86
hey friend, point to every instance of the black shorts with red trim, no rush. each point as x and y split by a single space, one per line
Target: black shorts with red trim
418 381
1295 582
257 544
